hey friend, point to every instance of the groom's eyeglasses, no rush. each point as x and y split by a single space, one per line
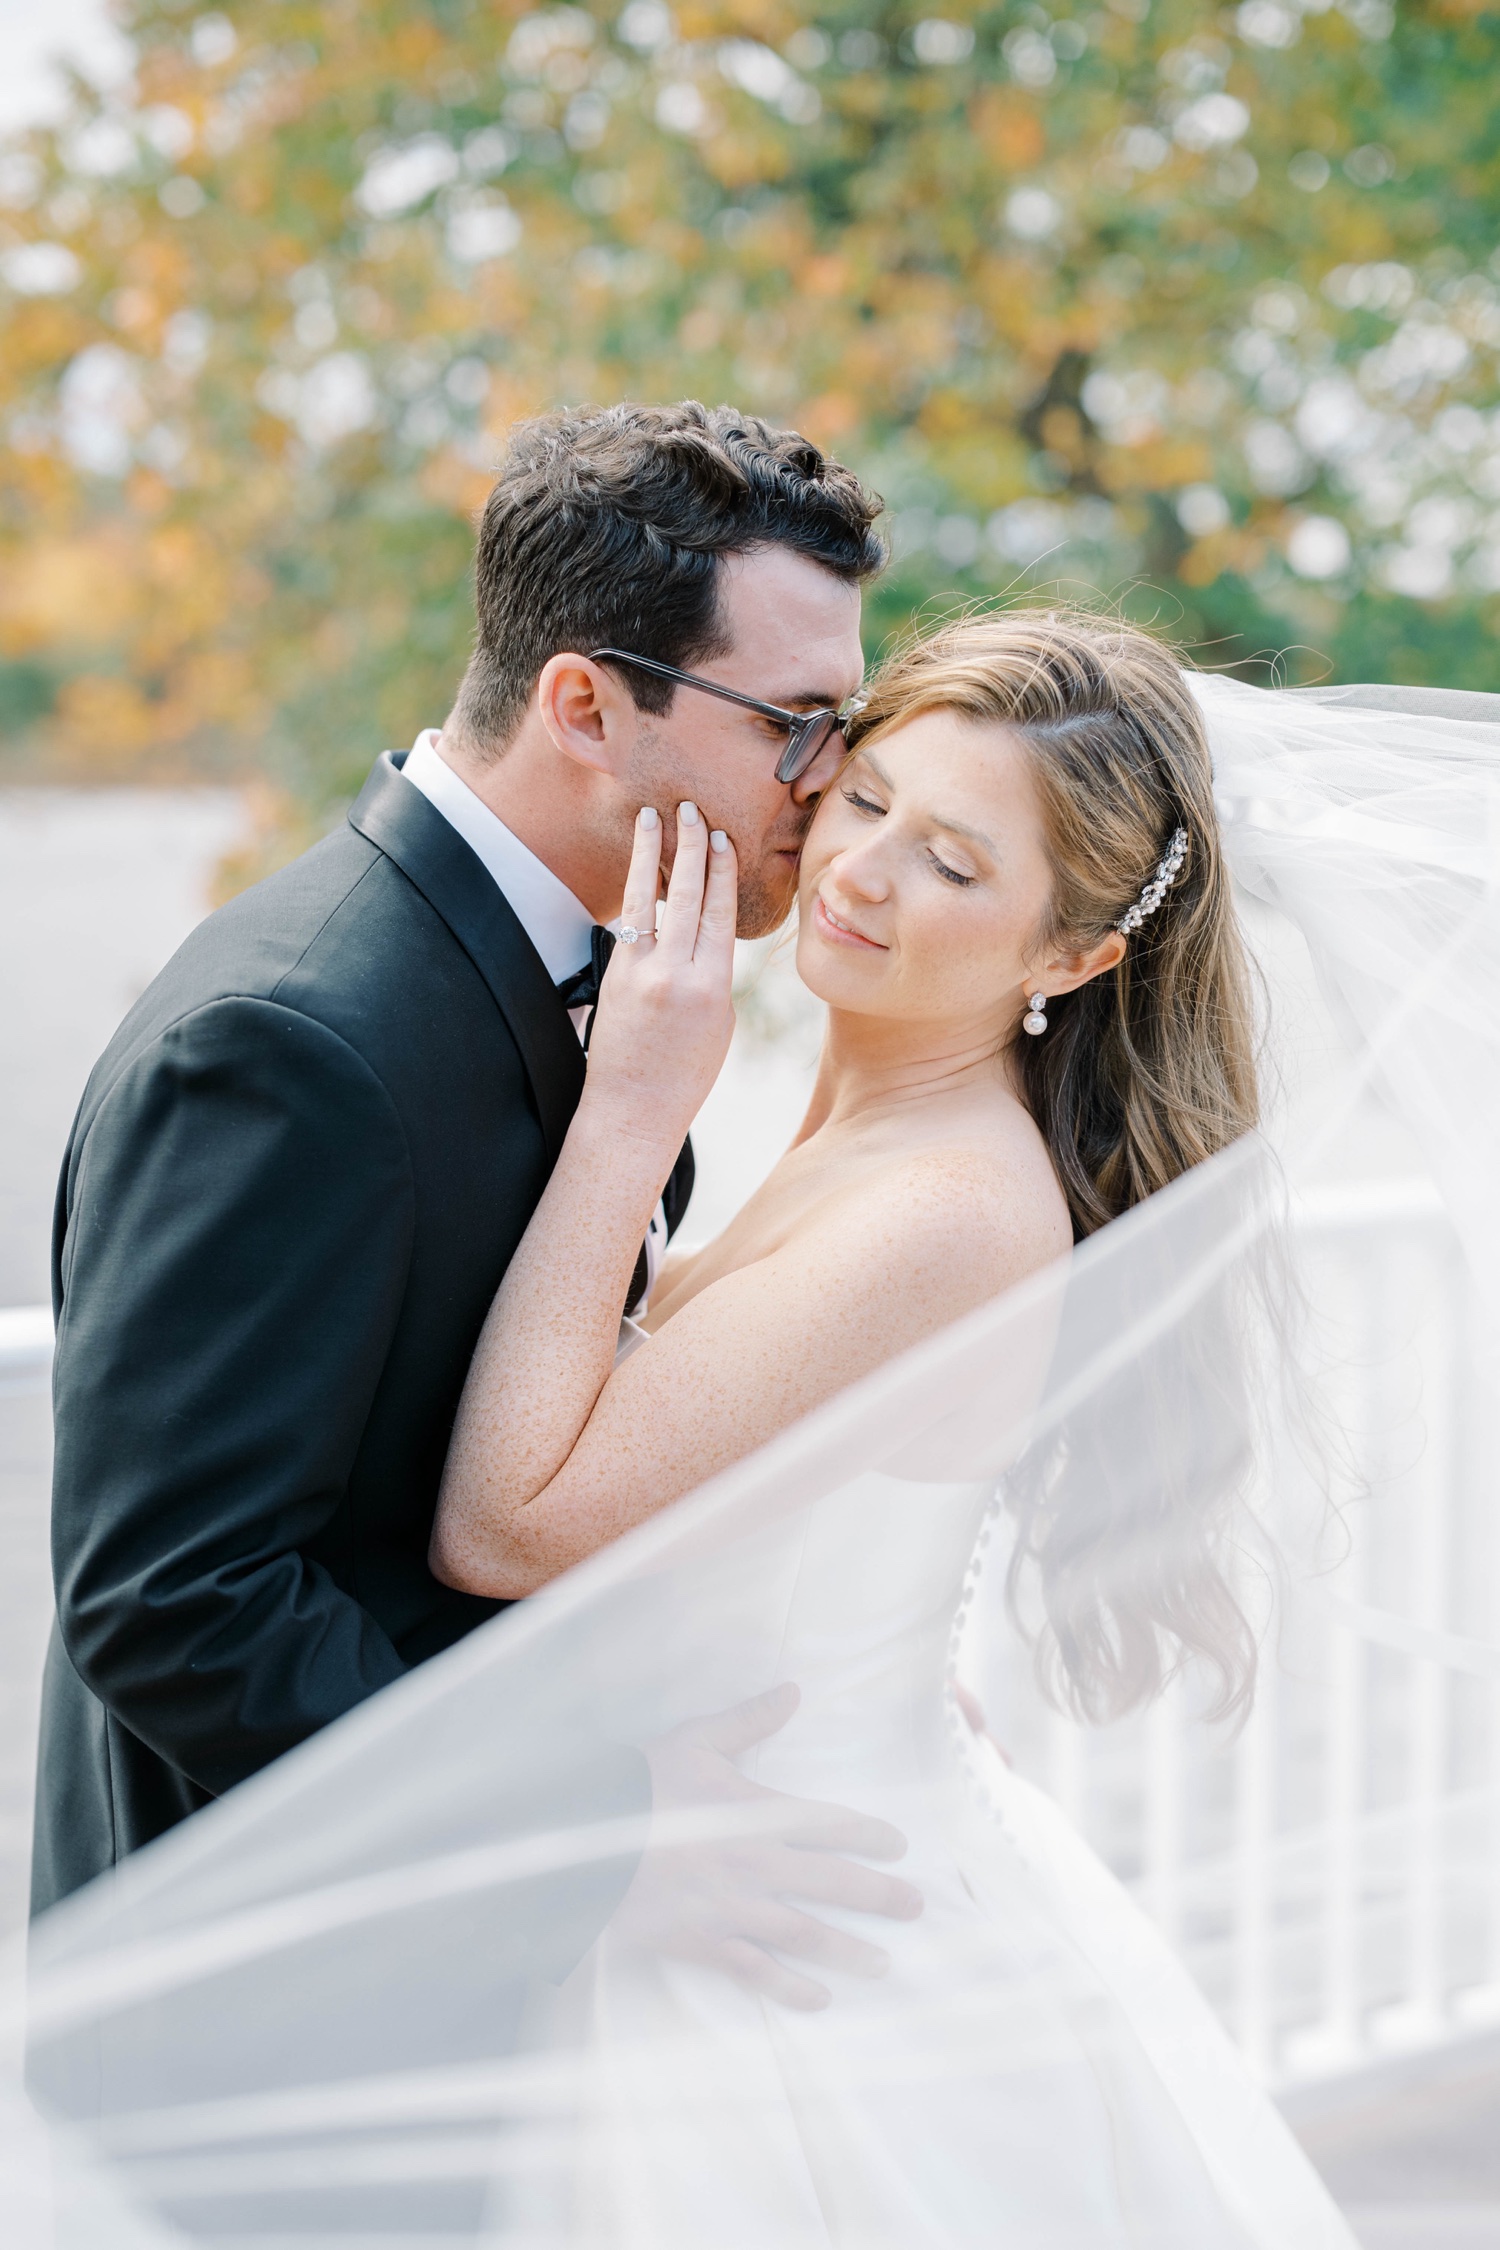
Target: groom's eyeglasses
806 731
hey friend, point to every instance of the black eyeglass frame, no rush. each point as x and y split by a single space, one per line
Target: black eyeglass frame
807 731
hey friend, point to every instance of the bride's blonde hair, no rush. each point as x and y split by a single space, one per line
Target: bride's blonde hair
1140 1074
1149 1068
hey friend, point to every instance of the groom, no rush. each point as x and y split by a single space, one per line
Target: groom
302 1164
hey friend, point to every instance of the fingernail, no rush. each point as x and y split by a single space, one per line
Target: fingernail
649 817
717 840
688 815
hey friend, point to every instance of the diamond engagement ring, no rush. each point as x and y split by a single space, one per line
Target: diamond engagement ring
629 936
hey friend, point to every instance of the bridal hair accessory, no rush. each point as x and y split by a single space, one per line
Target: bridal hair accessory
1036 1020
1168 867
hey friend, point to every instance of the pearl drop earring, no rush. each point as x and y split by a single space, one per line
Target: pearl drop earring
1036 1021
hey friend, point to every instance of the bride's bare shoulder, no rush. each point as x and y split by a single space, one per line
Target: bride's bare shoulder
958 1217
1001 1189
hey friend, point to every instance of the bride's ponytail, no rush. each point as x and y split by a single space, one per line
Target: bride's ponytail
1140 1074
1146 1070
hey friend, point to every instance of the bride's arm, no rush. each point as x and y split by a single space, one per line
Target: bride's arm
554 1455
743 1359
545 1352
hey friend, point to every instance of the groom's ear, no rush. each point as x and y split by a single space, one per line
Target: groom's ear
588 715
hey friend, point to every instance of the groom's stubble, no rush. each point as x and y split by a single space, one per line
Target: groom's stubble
659 775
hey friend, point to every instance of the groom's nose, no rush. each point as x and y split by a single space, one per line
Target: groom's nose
820 775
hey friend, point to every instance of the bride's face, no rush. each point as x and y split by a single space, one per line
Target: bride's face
925 879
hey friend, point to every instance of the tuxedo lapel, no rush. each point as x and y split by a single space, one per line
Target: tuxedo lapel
399 821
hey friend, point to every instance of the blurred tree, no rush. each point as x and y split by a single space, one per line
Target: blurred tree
1195 307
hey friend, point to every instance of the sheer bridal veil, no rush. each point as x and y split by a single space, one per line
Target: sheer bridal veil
1200 1521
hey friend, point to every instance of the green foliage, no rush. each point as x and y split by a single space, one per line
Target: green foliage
1189 310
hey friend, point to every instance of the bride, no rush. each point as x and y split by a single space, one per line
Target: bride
1014 903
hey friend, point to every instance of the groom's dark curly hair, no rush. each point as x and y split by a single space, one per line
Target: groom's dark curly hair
606 529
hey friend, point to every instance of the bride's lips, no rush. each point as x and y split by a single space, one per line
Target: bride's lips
837 932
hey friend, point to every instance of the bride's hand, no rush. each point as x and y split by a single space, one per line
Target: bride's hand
660 1034
665 1015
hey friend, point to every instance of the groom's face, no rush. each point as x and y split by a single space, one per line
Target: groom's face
793 630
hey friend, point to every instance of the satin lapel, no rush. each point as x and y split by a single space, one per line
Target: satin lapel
434 857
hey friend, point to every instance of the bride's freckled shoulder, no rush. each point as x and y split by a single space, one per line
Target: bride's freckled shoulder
965 1211
947 1218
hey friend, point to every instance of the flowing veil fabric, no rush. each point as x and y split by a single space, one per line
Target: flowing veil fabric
384 1992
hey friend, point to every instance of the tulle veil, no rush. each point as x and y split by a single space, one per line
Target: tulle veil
352 2002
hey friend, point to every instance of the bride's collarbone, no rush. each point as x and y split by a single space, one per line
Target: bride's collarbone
814 1181
792 1198
808 1178
847 1154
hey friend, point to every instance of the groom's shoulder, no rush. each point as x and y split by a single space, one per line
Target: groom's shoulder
374 910
338 936
340 911
314 921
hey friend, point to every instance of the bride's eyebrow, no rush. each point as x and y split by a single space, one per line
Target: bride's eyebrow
939 820
962 828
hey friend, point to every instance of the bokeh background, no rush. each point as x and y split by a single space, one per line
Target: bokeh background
1194 308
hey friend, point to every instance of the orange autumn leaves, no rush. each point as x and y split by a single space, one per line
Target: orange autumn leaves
1058 284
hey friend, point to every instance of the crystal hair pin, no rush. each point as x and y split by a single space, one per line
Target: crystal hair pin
1168 867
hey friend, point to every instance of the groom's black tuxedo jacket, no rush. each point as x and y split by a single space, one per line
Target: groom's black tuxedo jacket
296 1178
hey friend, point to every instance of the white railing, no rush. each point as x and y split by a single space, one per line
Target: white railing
1332 1875
25 1348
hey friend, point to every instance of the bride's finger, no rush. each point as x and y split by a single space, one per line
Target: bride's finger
643 882
720 912
678 931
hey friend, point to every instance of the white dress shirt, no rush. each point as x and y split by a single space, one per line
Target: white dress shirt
559 925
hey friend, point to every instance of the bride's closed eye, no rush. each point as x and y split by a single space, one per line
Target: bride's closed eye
864 804
951 874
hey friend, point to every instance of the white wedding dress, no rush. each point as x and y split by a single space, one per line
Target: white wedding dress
1031 2012
376 1999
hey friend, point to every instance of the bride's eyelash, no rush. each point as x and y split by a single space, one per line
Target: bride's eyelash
951 874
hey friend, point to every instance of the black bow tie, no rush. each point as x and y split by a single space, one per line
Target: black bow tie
581 989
